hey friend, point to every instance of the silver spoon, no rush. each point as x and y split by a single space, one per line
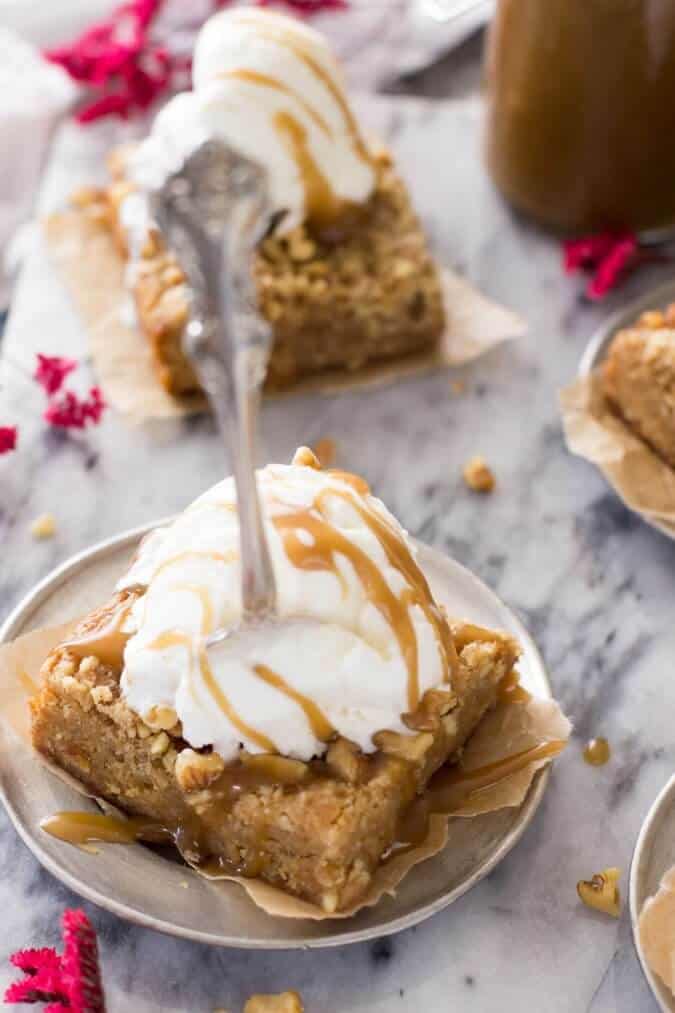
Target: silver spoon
213 212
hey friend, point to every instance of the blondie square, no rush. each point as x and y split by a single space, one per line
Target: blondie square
318 830
369 293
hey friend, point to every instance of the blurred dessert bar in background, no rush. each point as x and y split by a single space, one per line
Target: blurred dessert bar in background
638 378
346 278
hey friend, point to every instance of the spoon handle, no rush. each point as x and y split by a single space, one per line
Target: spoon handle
214 212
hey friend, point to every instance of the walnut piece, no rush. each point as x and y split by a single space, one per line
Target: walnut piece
478 475
346 761
43 526
196 771
286 1002
602 892
161 719
304 457
412 748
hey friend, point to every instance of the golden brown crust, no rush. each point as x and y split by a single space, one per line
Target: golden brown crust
372 293
638 379
320 838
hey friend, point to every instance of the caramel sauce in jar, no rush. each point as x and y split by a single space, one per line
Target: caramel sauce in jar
581 111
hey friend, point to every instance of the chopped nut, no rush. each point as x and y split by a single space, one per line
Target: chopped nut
478 475
300 248
286 1002
347 761
403 269
279 769
458 386
101 695
196 771
161 718
602 892
406 747
43 526
159 744
325 451
304 457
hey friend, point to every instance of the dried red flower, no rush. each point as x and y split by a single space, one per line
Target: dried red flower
70 983
43 981
80 964
51 371
609 255
118 58
68 411
8 438
308 7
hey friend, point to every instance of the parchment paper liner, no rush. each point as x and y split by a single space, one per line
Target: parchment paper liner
637 474
92 271
656 928
507 730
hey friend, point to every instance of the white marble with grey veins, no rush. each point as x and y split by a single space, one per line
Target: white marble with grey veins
593 583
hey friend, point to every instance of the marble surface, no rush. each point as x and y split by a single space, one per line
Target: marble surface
591 581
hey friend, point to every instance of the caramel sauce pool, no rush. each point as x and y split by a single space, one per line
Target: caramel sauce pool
597 752
89 828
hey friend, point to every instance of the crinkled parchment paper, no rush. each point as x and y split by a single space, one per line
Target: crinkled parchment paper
656 927
92 270
509 729
644 482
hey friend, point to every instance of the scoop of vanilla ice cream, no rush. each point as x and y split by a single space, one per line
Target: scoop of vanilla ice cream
334 653
269 87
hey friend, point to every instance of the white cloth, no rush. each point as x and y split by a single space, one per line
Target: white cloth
35 95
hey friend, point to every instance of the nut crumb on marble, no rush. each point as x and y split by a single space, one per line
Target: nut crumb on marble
43 526
478 475
458 387
285 1002
601 892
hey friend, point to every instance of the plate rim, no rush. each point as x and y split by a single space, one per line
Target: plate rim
656 986
595 350
20 615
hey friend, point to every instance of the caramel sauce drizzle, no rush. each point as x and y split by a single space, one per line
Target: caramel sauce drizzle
287 37
170 638
106 640
217 557
317 720
87 828
327 542
267 81
357 483
205 601
451 787
322 207
244 729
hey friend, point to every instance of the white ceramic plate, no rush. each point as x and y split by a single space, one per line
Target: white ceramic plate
597 347
654 854
136 883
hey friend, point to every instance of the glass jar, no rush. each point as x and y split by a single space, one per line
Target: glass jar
581 111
